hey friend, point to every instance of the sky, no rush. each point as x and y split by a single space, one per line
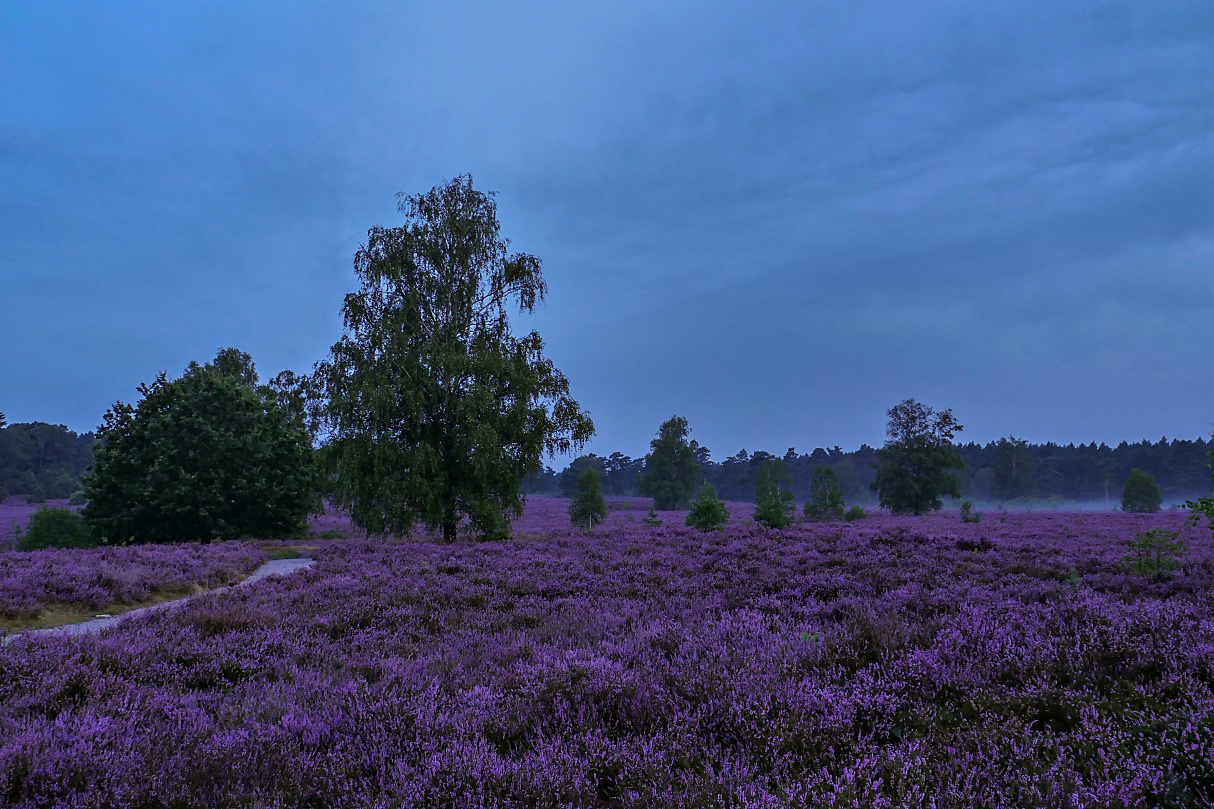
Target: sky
776 219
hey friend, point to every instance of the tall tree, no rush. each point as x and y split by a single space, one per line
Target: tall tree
208 455
914 463
435 410
671 472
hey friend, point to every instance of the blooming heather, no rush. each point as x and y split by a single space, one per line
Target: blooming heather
893 662
98 577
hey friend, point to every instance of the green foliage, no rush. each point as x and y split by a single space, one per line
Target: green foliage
774 501
1013 470
55 528
671 472
825 497
569 480
968 514
1141 494
436 410
1155 552
652 519
708 511
855 513
78 498
43 460
914 463
588 507
205 456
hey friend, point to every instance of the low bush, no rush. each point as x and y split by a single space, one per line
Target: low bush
1155 552
855 513
55 528
968 514
708 511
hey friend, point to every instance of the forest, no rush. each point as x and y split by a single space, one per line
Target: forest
43 461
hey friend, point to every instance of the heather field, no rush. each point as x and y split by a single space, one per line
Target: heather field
15 515
889 662
45 588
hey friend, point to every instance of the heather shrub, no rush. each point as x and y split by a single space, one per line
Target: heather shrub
1155 552
855 513
55 528
588 507
825 497
708 511
1141 494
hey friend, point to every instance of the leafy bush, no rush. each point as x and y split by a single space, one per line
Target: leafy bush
855 513
774 501
968 514
36 495
206 456
825 497
1155 552
708 511
588 507
1141 494
652 519
55 528
78 498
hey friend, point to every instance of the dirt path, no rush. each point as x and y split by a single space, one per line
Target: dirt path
277 567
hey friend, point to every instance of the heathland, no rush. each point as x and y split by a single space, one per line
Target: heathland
894 661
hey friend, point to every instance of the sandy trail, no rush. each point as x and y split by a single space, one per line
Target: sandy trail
277 567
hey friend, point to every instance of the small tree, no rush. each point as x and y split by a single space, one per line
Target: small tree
825 497
55 528
1141 494
588 507
671 472
914 463
1155 552
773 500
708 511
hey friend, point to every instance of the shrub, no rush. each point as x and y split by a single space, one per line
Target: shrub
1141 494
588 507
78 498
652 519
855 513
968 514
775 505
708 511
55 528
36 495
825 498
1155 552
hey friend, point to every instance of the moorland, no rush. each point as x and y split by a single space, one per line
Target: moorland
892 661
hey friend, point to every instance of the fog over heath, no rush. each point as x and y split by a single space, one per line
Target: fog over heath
774 219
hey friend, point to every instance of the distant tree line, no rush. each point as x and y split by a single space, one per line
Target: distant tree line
1008 471
42 461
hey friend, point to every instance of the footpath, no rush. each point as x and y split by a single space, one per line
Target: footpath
277 567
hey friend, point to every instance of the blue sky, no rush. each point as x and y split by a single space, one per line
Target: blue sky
775 219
